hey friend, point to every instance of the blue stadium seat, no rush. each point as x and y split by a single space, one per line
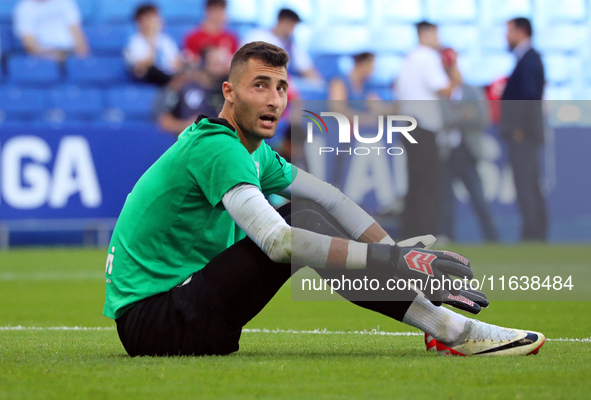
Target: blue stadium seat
310 93
179 32
242 29
6 9
586 73
118 11
343 12
108 39
343 39
558 68
327 65
182 11
22 104
176 11
386 69
492 39
396 11
551 12
558 92
584 93
495 12
26 70
451 11
399 38
304 86
87 9
77 102
121 125
10 125
244 11
48 123
96 71
131 102
482 71
10 43
5 38
561 38
461 38
304 8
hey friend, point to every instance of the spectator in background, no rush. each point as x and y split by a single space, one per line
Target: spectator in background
281 35
211 33
178 107
465 116
354 85
50 28
421 82
352 92
152 56
522 126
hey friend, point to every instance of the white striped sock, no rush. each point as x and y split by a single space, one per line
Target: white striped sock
441 323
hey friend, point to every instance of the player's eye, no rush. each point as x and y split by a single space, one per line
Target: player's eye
259 85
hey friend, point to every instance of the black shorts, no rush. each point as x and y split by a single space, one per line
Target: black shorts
187 320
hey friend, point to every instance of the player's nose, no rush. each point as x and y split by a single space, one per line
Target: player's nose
274 99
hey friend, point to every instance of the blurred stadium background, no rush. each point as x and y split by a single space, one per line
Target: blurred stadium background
330 29
74 137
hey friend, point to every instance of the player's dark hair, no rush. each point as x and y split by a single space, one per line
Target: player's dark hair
424 25
265 52
286 13
143 9
216 3
361 57
523 24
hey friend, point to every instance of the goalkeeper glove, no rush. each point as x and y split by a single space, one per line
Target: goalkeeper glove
468 299
420 265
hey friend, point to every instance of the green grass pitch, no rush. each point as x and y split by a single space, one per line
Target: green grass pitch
65 287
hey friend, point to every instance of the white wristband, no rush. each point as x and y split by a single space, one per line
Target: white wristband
356 255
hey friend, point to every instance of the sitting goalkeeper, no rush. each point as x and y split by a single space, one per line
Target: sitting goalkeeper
182 278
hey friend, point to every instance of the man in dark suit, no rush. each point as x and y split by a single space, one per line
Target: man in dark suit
465 117
523 128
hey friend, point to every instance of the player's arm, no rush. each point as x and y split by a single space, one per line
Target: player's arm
250 210
359 224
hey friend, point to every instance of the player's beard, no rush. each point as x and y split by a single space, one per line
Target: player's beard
247 118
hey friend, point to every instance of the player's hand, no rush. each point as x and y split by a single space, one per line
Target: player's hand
434 269
470 300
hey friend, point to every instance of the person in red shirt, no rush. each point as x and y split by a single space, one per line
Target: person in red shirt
211 33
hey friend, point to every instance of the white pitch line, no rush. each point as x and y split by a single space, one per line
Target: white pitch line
570 340
52 276
372 332
56 328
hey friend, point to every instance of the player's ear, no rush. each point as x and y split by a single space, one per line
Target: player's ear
228 91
